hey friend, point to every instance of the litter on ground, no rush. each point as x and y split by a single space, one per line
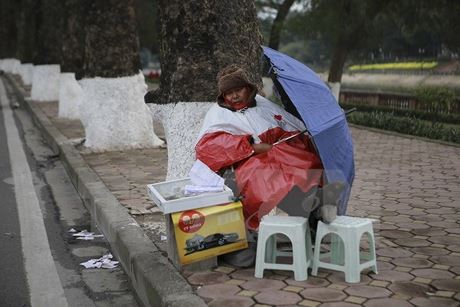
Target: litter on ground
104 262
85 235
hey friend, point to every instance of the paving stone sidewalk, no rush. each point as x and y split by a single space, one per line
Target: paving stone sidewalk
411 187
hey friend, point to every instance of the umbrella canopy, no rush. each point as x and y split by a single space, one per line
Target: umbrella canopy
307 96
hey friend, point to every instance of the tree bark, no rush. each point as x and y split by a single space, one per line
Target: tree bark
73 44
338 58
353 30
277 26
111 44
8 28
49 32
197 39
27 30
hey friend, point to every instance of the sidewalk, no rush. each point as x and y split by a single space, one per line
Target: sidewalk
411 187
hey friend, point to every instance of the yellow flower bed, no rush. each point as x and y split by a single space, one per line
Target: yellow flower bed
390 66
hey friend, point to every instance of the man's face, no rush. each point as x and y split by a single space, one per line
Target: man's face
237 97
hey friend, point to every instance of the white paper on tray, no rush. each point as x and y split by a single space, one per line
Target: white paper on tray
202 175
203 179
196 189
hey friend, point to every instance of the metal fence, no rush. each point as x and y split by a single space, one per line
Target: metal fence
395 100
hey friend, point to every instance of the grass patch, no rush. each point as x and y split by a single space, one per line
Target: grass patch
394 66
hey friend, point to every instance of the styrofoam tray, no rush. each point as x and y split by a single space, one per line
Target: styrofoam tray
160 192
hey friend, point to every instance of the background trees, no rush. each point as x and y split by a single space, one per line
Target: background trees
280 9
323 33
319 32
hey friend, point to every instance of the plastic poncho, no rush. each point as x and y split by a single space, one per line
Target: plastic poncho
264 179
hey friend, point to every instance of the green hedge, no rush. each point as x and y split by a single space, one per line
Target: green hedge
434 117
406 125
436 98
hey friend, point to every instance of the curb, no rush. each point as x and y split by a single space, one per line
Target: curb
154 279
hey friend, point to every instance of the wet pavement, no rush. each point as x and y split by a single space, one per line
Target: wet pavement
412 187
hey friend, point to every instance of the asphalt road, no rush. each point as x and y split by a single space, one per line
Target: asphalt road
39 258
13 284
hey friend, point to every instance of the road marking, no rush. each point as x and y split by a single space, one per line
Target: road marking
44 283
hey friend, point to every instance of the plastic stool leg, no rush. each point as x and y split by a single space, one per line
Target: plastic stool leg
309 247
352 261
299 257
260 256
319 237
337 249
372 249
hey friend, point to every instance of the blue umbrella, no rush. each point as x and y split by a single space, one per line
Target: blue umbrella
308 97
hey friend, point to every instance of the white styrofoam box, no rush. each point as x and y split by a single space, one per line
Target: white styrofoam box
161 194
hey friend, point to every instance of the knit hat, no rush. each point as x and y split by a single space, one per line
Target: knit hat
232 77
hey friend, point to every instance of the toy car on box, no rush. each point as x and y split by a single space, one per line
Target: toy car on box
198 242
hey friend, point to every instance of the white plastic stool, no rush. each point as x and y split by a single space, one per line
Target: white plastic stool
297 230
345 251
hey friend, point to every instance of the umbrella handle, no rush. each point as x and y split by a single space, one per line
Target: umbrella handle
290 137
306 130
349 111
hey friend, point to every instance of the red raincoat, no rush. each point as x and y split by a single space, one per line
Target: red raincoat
263 179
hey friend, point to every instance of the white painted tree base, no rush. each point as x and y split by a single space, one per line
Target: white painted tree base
182 121
10 65
45 82
70 96
335 89
26 71
114 114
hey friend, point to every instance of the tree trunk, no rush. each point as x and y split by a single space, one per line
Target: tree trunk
352 31
73 46
27 30
338 58
49 35
112 44
112 108
197 39
8 28
277 26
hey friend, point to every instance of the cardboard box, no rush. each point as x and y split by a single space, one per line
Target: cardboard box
208 232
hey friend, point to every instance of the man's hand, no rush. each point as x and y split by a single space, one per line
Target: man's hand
261 148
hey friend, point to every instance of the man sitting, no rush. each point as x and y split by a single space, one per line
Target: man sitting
241 132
